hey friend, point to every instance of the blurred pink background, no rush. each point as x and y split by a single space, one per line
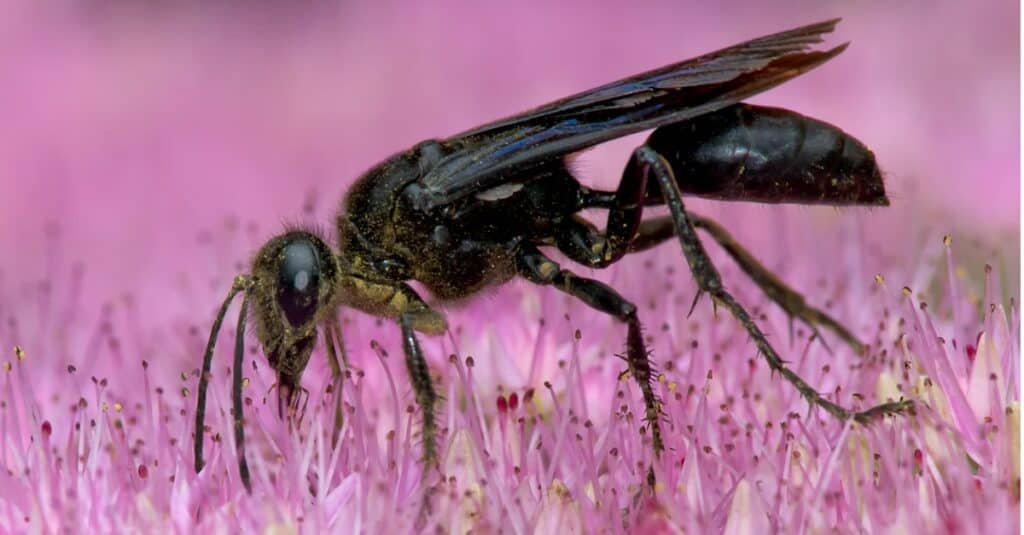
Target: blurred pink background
135 129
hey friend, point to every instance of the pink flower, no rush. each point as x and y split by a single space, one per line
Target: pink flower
111 451
135 133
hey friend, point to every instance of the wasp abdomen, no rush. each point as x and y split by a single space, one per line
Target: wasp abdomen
760 154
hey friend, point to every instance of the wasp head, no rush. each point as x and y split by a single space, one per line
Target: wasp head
293 285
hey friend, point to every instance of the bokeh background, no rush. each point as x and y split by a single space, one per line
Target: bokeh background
134 134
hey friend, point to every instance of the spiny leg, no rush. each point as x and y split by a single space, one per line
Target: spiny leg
419 374
656 230
537 268
709 281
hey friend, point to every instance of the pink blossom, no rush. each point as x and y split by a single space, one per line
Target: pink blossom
149 153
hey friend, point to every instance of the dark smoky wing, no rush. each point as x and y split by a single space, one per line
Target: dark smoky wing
485 156
713 67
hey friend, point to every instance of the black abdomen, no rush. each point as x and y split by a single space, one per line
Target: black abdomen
759 154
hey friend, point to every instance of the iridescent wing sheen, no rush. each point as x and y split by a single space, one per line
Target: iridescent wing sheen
502 151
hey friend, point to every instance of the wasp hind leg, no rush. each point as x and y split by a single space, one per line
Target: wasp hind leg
657 230
648 161
627 232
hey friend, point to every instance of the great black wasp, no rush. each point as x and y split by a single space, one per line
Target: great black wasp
474 210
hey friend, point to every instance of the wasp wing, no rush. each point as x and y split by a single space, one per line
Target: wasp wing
487 156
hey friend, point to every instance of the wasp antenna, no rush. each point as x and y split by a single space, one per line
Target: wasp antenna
243 465
240 283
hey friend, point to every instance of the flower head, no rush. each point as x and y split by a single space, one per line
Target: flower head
204 113
538 430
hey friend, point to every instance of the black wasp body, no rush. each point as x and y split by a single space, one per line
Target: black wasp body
474 210
741 152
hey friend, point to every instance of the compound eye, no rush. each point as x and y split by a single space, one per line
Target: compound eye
298 281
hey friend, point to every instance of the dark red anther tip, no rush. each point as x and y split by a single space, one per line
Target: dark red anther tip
502 404
47 429
513 401
143 471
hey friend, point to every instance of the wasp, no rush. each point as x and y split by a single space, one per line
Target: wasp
476 210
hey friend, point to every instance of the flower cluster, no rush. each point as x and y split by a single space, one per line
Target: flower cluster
540 430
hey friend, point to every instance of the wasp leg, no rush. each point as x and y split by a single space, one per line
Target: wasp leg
627 232
537 268
583 243
401 302
656 230
708 281
419 374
